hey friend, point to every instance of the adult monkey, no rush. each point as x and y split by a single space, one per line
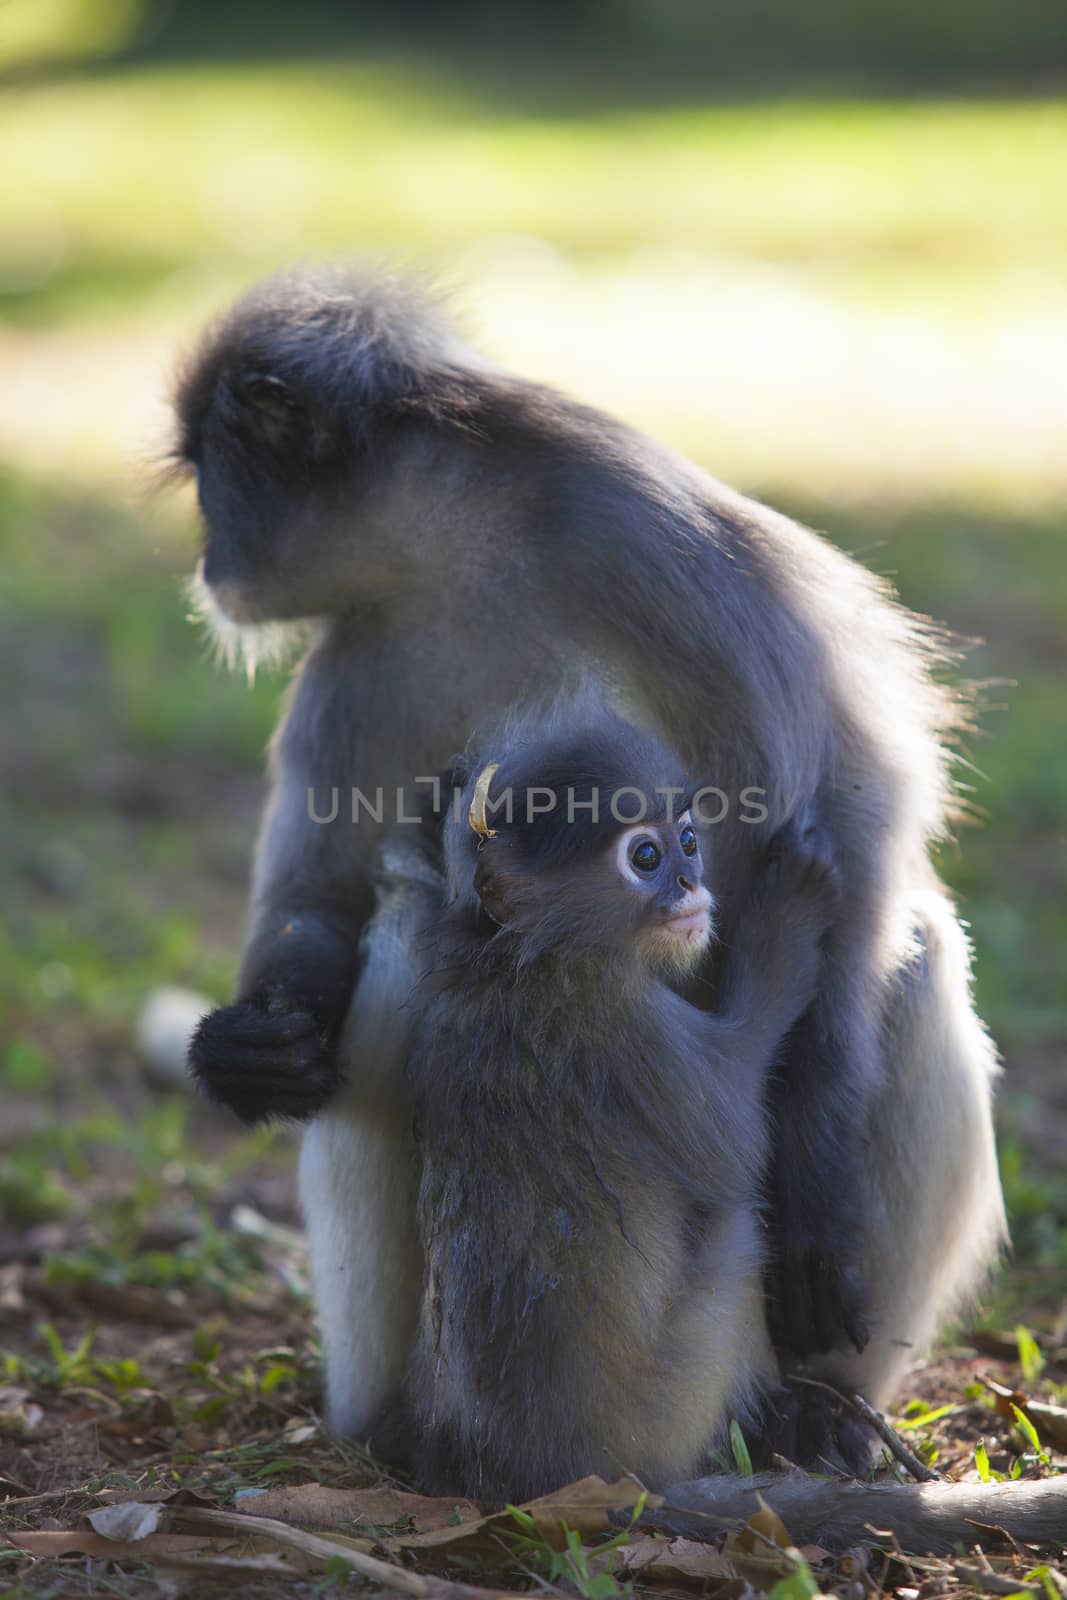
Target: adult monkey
463 536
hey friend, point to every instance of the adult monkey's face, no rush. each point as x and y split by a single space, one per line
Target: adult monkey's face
309 418
283 466
271 497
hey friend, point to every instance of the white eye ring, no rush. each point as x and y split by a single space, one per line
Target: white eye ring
629 840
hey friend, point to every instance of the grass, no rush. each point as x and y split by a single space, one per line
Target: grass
129 187
865 296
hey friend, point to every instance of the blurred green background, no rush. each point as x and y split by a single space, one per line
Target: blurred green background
820 247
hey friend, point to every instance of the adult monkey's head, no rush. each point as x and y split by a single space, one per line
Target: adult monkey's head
293 416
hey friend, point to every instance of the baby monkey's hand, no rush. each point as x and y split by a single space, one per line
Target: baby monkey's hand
801 879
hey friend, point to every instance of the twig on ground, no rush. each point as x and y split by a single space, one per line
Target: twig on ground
415 1584
892 1440
874 1419
20 1490
988 1582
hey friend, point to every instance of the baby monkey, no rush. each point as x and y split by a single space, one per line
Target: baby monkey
592 1146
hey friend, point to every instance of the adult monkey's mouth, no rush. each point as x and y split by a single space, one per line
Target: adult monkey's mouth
240 630
235 603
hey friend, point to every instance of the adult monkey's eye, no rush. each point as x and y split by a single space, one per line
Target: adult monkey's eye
646 856
688 841
266 393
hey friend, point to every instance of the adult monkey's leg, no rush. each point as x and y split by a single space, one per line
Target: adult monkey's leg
934 1214
358 1170
937 1212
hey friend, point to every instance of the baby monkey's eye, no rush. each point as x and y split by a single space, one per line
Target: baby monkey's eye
688 841
646 856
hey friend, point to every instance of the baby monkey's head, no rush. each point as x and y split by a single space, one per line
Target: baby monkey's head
581 841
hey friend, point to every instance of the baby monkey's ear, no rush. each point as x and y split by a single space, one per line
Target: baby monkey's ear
495 885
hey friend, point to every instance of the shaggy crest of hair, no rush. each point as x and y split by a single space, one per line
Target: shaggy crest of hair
344 337
590 762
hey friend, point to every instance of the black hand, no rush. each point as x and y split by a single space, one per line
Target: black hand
814 1428
265 1057
801 875
816 1298
816 1295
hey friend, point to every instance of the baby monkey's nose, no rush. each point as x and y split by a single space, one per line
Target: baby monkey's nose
686 883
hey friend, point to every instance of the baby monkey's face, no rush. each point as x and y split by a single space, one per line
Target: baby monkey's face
660 863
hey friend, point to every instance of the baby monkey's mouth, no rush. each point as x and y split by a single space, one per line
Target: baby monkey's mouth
689 921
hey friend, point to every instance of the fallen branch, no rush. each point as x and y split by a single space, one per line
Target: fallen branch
927 1518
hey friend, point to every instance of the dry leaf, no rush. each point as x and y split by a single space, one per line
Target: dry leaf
1002 1346
762 1551
82 1541
149 1417
814 1554
764 1570
585 1507
766 1526
380 1508
134 1524
19 1416
1050 1421
673 1561
299 1432
12 1299
136 1519
135 1303
129 1302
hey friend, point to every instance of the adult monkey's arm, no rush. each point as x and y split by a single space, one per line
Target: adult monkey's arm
273 1051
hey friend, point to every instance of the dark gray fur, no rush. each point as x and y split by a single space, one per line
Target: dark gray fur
591 1145
464 538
